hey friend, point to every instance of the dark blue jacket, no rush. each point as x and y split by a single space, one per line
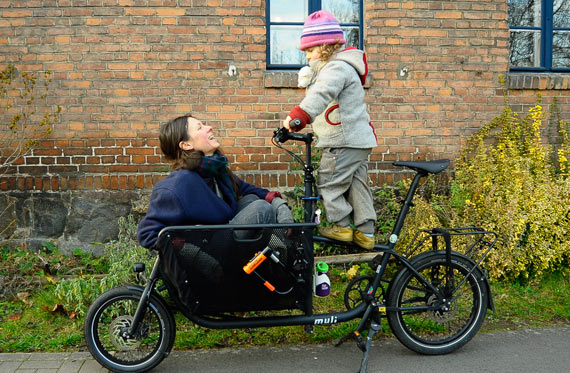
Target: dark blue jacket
184 198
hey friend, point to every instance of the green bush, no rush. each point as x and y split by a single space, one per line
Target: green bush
75 295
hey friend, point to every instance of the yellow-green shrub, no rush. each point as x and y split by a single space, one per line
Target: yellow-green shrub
422 216
511 185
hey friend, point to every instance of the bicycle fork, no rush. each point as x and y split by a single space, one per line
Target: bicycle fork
143 302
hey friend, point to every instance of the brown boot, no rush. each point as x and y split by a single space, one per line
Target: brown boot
336 232
363 240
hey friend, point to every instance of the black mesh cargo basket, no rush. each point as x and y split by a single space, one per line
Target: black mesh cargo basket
203 267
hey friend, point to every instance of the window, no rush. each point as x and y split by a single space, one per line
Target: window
539 35
285 19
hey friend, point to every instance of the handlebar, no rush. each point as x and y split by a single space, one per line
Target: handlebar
283 135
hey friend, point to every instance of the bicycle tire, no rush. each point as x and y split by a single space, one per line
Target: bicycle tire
441 331
111 313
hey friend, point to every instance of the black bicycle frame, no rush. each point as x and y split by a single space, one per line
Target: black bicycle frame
363 310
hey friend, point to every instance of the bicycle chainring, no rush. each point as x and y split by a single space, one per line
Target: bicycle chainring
357 289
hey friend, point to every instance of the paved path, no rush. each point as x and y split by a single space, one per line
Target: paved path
538 350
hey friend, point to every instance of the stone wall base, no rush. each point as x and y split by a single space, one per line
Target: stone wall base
71 219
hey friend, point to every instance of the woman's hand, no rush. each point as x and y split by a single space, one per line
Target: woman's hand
271 195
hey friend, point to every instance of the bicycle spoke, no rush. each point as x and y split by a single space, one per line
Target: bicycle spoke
117 318
438 322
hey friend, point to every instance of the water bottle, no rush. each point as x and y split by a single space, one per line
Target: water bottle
322 281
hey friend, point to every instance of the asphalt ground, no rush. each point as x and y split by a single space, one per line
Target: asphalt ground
520 351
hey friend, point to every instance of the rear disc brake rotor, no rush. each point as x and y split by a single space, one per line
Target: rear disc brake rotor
440 314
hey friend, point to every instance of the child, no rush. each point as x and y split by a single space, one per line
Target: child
334 105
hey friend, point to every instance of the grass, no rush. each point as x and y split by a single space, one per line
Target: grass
35 323
542 304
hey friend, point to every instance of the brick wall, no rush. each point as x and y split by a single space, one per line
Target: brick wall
123 67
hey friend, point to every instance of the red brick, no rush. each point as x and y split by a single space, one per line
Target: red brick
149 64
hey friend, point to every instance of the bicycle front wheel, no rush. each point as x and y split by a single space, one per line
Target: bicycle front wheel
451 323
110 316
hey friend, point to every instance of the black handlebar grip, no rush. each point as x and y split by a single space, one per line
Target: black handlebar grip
295 123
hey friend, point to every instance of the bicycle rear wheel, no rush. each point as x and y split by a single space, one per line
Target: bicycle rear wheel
455 321
111 315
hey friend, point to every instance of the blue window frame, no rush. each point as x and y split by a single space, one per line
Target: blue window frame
539 35
284 21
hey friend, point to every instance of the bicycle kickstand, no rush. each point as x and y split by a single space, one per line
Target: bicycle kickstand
375 327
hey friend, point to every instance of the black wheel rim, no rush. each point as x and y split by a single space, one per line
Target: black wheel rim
450 319
113 318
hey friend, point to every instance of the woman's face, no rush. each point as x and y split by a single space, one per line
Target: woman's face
200 138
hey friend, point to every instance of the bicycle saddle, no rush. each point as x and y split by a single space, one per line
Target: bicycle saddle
430 167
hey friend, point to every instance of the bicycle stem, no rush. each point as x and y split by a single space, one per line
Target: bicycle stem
308 180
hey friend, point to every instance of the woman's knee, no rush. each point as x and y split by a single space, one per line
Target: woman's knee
247 200
264 210
258 211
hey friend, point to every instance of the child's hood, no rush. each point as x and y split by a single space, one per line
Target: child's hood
357 59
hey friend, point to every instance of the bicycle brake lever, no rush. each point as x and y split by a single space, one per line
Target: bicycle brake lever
281 135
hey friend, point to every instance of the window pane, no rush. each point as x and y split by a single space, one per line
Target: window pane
351 35
288 10
561 49
346 11
525 48
285 42
524 13
561 12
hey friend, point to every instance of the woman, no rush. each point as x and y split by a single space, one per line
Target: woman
201 189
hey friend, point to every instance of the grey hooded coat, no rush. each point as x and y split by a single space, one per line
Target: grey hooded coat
335 101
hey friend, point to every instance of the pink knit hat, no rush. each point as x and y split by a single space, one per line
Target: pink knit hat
321 28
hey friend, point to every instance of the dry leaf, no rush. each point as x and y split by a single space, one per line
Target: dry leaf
23 296
56 308
14 316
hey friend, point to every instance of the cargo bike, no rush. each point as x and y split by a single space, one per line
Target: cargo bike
236 276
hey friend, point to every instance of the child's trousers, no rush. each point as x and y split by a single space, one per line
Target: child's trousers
342 183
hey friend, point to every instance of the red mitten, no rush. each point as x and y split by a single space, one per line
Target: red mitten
304 118
269 197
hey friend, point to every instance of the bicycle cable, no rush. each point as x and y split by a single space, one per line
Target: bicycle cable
295 156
